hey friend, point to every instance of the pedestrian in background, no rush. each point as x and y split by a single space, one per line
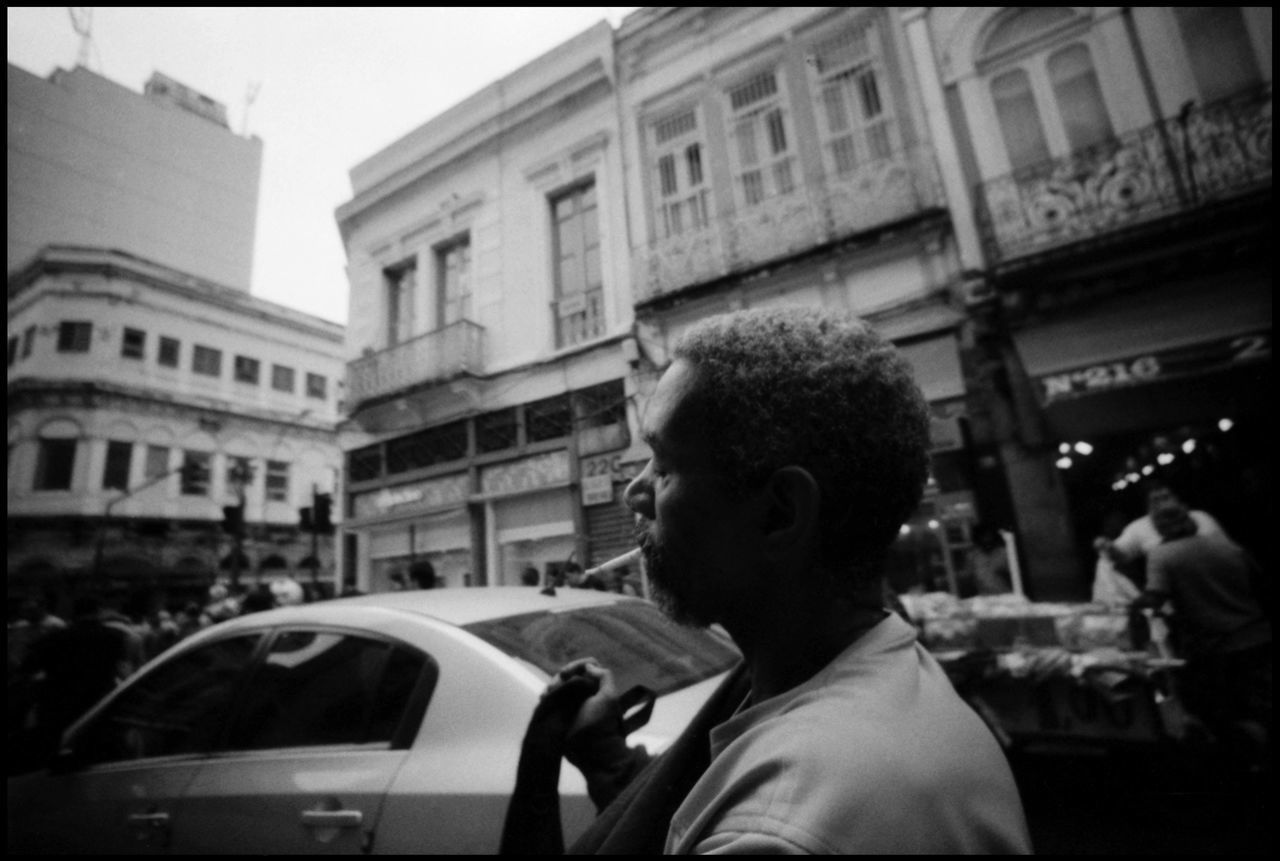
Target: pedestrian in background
422 574
1220 628
74 668
1128 552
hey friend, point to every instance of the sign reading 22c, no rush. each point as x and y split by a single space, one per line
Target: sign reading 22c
1166 364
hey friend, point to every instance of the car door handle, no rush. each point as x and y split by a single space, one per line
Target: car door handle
150 820
332 818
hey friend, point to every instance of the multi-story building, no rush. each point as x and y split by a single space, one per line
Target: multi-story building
147 395
782 156
1114 167
160 175
490 331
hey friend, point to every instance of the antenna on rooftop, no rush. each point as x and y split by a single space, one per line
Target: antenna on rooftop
250 96
82 23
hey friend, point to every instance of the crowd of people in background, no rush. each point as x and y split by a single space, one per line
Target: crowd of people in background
58 668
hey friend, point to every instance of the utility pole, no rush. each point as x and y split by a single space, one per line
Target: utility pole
106 514
233 516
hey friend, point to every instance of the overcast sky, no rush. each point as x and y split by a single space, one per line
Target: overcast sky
336 86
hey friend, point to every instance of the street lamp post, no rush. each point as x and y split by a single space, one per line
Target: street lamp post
234 517
106 516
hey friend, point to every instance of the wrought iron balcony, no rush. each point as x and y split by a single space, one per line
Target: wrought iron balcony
1201 156
434 357
875 194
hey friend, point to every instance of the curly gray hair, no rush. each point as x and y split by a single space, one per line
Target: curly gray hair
820 390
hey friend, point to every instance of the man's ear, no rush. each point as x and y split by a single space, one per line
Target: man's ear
793 501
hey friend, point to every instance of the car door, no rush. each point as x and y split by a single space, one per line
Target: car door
318 734
120 781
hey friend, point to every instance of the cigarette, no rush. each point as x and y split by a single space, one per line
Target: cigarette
628 558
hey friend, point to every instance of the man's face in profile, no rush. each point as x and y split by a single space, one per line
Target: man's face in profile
693 534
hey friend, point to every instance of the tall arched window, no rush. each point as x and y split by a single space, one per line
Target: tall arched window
1019 119
1218 47
1045 92
1079 97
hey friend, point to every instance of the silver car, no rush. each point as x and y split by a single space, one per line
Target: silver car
383 724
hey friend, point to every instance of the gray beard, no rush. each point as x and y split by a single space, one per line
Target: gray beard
663 568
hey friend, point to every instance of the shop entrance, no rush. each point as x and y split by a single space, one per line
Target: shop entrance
1221 466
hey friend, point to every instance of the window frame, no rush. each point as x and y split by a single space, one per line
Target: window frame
402 737
153 453
168 352
228 704
1032 55
133 343
450 310
206 361
322 388
28 342
204 489
677 150
277 473
578 314
246 370
75 336
43 466
292 385
865 140
761 121
112 467
401 286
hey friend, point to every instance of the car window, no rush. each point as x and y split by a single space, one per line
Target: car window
326 688
634 639
175 708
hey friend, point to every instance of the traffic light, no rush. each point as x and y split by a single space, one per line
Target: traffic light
233 519
323 519
304 519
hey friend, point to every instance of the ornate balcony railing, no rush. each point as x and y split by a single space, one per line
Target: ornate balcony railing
875 194
435 357
1201 156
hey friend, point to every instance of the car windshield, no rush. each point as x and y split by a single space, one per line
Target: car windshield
633 639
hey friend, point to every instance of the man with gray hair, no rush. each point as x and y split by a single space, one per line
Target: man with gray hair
789 445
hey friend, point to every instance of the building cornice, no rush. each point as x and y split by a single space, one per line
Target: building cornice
27 393
491 129
81 260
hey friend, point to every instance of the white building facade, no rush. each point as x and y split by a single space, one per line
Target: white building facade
121 373
782 156
158 174
490 331
135 351
1113 167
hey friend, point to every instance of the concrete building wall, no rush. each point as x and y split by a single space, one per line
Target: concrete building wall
146 402
93 163
487 170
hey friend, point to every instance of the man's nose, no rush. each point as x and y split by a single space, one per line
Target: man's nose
639 493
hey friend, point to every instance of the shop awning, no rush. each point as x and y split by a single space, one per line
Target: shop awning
1188 350
936 363
1151 322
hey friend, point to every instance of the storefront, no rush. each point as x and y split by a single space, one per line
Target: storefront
933 545
610 523
1169 384
530 517
424 520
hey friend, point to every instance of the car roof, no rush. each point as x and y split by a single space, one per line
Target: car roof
458 606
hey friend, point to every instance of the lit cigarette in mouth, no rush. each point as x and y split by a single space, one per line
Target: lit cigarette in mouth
629 558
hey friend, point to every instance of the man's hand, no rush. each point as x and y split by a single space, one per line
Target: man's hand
601 710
